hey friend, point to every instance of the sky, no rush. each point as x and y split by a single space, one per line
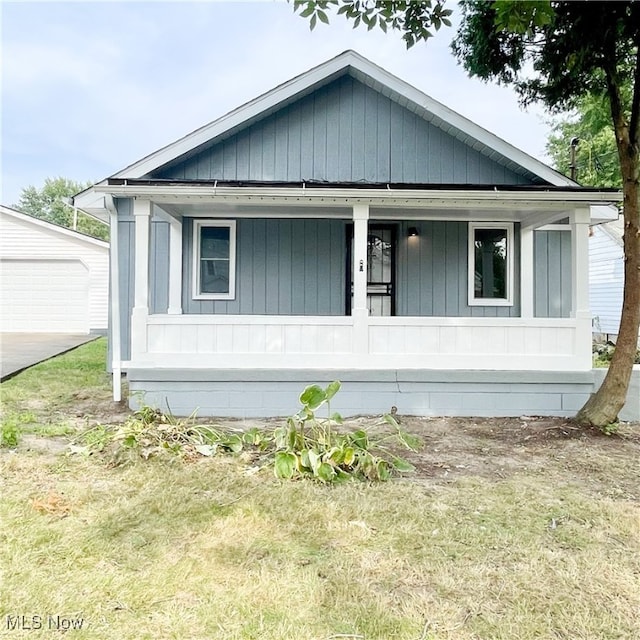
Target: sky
91 87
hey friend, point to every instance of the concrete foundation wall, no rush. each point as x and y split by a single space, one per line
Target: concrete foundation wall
268 393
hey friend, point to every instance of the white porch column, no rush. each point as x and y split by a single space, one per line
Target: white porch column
580 261
579 220
140 313
114 274
175 267
526 273
359 310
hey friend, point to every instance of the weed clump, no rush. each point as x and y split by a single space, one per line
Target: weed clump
305 446
9 435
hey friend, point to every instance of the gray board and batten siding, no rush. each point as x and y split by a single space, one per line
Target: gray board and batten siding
344 132
552 274
298 267
432 272
283 267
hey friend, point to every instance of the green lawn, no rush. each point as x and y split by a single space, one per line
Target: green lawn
521 536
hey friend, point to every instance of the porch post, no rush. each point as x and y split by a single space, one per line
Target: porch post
526 273
175 267
579 220
359 311
114 274
140 312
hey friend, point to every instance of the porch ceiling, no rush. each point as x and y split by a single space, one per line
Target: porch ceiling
517 212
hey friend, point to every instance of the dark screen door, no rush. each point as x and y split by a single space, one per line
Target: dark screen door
381 267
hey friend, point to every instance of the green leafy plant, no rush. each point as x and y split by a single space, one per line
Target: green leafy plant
311 446
611 429
9 434
97 438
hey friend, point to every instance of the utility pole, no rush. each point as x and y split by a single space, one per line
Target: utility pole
574 144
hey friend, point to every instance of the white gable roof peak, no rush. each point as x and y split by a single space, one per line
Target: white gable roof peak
52 227
377 78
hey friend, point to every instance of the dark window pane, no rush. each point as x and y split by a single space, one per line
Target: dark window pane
214 276
214 242
490 269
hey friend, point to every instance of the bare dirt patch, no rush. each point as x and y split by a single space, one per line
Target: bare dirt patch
499 448
92 411
489 448
502 447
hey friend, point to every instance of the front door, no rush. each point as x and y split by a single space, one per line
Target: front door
381 268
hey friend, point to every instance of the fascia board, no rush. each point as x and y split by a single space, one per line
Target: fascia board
91 197
53 227
92 203
193 193
323 73
600 213
612 228
99 214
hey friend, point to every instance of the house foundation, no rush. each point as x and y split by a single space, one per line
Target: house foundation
272 393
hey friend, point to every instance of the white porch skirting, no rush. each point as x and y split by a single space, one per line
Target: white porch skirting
274 392
330 342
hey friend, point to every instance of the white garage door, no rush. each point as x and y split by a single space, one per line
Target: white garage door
44 296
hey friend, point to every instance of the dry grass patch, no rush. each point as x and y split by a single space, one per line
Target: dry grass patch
205 550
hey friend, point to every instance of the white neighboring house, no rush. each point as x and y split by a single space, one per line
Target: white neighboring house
606 276
52 279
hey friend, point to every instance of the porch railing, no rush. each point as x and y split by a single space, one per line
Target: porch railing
338 342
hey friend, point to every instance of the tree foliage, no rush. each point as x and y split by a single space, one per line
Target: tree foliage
47 203
597 163
555 53
415 20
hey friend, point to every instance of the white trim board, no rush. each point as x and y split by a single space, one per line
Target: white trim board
507 301
186 193
198 225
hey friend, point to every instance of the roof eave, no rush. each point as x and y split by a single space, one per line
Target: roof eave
92 202
156 191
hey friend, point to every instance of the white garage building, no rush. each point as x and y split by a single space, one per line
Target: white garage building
52 279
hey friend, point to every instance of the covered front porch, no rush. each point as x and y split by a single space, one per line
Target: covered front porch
512 333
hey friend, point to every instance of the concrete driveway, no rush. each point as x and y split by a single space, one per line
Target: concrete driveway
19 351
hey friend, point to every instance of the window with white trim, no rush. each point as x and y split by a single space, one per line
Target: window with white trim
491 263
214 259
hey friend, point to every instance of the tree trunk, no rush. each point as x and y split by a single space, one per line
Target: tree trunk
603 407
